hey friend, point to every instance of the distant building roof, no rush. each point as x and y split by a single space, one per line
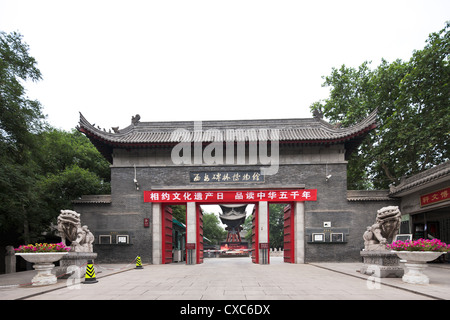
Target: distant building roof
369 195
103 198
311 131
426 178
178 223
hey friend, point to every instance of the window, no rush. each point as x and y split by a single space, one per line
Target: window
104 239
122 239
337 237
403 237
318 237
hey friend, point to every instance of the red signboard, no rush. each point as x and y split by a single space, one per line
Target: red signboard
190 246
435 197
264 246
146 222
231 196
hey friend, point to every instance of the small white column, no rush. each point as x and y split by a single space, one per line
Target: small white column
299 229
156 233
191 228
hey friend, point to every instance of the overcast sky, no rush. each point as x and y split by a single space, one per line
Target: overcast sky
205 60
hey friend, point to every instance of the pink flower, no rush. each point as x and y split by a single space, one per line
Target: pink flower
420 245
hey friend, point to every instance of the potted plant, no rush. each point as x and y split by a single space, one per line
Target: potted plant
417 253
42 255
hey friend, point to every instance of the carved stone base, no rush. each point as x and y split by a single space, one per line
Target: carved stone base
381 264
415 273
78 259
415 264
44 274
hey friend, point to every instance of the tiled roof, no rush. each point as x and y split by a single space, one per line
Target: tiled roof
242 130
142 134
368 195
98 199
438 173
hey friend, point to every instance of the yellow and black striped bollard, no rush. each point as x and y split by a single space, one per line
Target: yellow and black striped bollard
139 263
90 273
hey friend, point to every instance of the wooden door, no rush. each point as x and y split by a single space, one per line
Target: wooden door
289 255
167 237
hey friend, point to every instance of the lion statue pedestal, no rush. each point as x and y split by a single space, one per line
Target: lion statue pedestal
81 243
378 260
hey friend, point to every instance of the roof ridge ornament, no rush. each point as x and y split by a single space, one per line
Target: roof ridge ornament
318 114
115 129
135 119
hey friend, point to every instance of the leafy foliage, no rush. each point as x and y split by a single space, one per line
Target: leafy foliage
19 116
212 229
41 169
276 225
413 102
179 213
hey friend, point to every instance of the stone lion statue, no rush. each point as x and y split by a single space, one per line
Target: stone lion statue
384 230
69 228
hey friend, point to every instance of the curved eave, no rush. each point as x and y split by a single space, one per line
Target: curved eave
126 144
130 137
232 218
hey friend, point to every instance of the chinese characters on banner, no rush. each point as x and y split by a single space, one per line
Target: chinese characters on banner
231 196
435 197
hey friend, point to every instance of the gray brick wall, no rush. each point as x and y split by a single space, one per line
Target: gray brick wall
126 213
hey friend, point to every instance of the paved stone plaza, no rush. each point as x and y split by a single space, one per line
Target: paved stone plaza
233 279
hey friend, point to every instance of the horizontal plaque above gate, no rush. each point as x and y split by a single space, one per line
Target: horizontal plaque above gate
226 176
231 196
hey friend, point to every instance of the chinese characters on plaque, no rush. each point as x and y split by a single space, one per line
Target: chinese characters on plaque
435 197
226 176
231 196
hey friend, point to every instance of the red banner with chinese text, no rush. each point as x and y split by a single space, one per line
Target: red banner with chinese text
435 197
231 196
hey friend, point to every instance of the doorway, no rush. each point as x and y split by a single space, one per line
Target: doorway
293 221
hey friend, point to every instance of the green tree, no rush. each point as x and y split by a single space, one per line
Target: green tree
69 167
20 120
61 150
212 229
276 225
65 166
41 169
247 227
413 102
179 213
20 117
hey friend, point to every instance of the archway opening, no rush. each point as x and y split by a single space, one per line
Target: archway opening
226 234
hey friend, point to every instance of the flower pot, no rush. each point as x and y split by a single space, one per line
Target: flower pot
43 264
416 262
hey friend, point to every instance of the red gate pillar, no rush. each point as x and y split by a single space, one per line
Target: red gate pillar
255 244
199 244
